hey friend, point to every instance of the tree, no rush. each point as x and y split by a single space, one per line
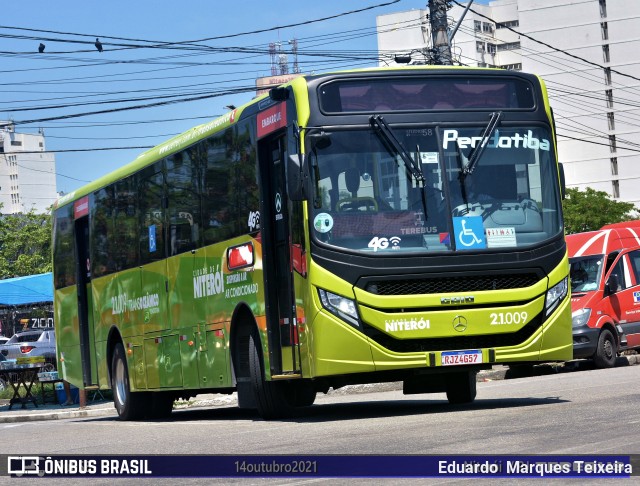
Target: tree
25 244
591 210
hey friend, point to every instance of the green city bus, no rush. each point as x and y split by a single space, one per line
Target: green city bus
378 225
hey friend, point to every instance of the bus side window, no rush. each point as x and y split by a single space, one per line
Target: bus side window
215 189
102 232
151 194
183 208
64 247
125 253
230 194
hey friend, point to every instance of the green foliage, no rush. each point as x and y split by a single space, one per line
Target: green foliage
591 210
25 244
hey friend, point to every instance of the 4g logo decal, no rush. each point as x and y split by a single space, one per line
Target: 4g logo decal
378 243
254 220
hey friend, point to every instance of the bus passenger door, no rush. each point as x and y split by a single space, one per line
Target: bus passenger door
83 280
276 238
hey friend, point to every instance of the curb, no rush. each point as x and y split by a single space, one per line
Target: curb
32 416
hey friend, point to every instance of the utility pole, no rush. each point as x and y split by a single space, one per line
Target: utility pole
439 33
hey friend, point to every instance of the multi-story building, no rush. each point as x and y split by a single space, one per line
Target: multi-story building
588 53
27 172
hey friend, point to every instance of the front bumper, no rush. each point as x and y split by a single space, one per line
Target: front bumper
585 341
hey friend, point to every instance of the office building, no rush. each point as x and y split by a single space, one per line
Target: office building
27 172
588 53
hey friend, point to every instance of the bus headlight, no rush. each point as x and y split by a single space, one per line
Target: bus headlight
340 306
580 317
555 295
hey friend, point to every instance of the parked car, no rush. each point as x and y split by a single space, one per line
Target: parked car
3 383
36 342
3 340
605 292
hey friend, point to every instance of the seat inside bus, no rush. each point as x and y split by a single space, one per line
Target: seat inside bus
502 204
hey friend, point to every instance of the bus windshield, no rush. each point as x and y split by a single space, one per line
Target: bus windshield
368 199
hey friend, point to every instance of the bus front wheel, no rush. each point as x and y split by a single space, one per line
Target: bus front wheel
302 394
270 396
129 405
461 387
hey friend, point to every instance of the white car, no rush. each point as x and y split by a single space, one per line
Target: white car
36 342
3 340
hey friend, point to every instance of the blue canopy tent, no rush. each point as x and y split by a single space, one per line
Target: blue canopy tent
32 289
25 299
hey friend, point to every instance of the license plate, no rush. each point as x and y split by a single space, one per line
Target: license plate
454 358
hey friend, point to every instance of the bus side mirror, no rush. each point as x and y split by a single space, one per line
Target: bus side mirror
563 184
295 185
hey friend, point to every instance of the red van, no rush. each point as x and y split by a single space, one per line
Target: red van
605 291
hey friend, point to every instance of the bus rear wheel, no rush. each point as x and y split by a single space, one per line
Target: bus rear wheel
461 387
129 405
161 405
606 354
270 396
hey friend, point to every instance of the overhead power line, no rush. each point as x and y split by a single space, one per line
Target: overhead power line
134 107
557 49
163 44
94 149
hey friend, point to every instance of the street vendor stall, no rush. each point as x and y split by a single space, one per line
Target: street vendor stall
21 376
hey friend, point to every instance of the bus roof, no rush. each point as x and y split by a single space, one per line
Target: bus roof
153 154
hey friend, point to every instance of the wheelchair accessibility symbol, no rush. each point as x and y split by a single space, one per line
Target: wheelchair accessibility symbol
469 232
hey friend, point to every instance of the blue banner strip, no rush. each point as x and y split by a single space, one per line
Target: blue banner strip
370 466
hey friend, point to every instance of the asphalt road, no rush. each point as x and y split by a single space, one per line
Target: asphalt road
583 412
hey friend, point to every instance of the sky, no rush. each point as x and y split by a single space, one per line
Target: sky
141 63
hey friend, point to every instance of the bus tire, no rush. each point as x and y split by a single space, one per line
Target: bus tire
461 387
519 371
129 405
270 396
161 405
302 393
606 354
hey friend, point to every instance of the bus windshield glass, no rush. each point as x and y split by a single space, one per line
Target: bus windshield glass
368 198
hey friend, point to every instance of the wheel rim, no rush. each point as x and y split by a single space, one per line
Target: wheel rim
121 390
48 367
608 348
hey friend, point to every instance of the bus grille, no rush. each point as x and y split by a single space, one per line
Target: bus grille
447 285
453 342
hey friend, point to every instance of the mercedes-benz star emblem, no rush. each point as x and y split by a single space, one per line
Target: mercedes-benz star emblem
460 323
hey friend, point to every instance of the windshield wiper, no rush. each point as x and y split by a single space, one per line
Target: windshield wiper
382 130
386 135
477 151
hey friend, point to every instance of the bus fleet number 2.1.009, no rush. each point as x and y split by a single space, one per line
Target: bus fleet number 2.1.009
499 318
